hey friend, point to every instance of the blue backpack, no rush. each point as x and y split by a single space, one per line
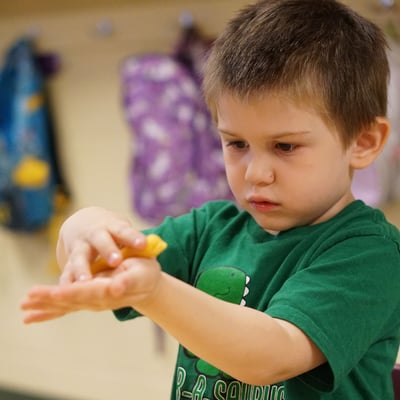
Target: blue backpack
29 174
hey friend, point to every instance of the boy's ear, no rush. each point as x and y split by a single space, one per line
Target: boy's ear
369 144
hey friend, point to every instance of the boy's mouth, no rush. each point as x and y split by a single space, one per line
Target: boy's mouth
260 199
262 205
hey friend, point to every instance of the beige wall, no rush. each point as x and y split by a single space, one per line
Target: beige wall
88 355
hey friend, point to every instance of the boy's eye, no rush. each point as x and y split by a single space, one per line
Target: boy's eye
237 144
285 147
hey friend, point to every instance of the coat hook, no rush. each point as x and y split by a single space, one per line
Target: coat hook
33 32
105 27
186 19
387 3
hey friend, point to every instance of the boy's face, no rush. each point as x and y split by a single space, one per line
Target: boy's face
285 166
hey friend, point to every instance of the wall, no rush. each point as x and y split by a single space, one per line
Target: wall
90 356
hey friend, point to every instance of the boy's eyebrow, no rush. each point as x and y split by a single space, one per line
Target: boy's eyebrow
276 135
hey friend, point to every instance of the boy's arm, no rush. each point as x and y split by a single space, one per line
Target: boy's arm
245 343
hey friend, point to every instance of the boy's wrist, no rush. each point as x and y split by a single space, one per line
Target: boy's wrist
151 299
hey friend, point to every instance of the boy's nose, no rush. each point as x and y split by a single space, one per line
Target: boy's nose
259 172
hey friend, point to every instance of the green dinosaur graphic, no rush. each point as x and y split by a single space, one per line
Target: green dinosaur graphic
225 283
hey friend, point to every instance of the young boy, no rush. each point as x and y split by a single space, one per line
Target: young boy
294 293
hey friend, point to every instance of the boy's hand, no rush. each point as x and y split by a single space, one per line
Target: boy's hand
89 233
132 283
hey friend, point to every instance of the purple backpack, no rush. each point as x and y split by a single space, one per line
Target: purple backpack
177 161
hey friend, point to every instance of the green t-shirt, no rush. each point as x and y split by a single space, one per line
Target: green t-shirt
338 281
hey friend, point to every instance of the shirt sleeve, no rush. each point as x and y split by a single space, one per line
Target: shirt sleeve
345 300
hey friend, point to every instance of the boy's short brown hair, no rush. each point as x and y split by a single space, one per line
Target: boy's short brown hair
319 53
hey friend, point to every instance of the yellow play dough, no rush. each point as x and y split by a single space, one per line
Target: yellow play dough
154 246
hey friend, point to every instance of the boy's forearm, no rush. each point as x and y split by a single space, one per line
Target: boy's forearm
244 343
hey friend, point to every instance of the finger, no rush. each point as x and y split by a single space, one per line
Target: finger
103 243
38 310
86 295
108 242
75 273
125 235
77 267
80 264
51 297
41 299
41 316
40 291
45 305
67 277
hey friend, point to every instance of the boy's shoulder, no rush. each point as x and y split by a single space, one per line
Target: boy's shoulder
358 227
358 216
